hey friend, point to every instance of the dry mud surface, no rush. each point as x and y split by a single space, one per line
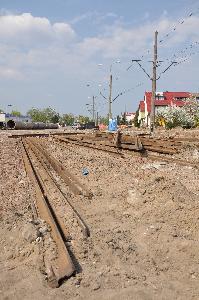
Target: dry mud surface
143 219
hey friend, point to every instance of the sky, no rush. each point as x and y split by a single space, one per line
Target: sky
60 53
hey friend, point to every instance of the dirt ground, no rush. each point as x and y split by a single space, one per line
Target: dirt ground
143 219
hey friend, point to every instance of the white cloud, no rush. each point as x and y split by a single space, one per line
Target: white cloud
96 16
63 29
119 41
29 43
27 30
8 73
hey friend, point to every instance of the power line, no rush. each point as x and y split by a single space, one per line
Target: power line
183 51
129 90
176 26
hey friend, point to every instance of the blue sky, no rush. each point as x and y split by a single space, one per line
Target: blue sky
50 51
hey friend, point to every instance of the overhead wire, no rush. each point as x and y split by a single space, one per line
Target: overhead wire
177 25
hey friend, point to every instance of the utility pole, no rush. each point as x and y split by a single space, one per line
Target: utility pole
97 118
93 109
110 97
154 79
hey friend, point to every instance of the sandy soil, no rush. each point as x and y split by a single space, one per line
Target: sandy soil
143 219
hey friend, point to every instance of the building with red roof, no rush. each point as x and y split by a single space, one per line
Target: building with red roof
163 99
130 116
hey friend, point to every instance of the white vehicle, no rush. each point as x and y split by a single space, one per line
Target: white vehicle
76 125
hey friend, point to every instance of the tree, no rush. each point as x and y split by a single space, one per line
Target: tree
47 115
135 121
16 113
68 119
36 115
104 120
118 120
83 119
123 121
173 116
55 119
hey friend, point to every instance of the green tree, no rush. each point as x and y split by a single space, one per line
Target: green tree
135 121
15 113
118 120
46 115
67 119
104 120
36 115
55 118
83 119
123 121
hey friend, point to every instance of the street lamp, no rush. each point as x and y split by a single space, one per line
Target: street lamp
92 108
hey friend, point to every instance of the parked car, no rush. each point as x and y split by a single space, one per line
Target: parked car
76 125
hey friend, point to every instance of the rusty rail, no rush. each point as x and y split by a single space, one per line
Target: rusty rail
143 145
108 149
76 187
42 134
62 266
173 160
46 165
125 142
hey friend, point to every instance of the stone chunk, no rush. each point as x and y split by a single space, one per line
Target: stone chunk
30 233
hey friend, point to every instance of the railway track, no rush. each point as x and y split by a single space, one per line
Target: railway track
52 203
53 206
133 145
116 142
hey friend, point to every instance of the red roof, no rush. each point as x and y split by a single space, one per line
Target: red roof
170 98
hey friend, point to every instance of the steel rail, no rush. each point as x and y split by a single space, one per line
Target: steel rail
76 187
42 134
62 266
87 145
129 145
173 160
46 165
127 149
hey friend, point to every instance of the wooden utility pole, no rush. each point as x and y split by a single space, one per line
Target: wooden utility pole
154 79
110 97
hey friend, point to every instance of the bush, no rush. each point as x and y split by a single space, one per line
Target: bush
186 116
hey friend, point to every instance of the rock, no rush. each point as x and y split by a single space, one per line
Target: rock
21 182
156 165
195 154
9 255
30 233
96 286
78 281
133 197
43 230
38 239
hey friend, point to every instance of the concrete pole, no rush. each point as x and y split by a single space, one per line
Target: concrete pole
97 117
154 78
93 109
110 97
